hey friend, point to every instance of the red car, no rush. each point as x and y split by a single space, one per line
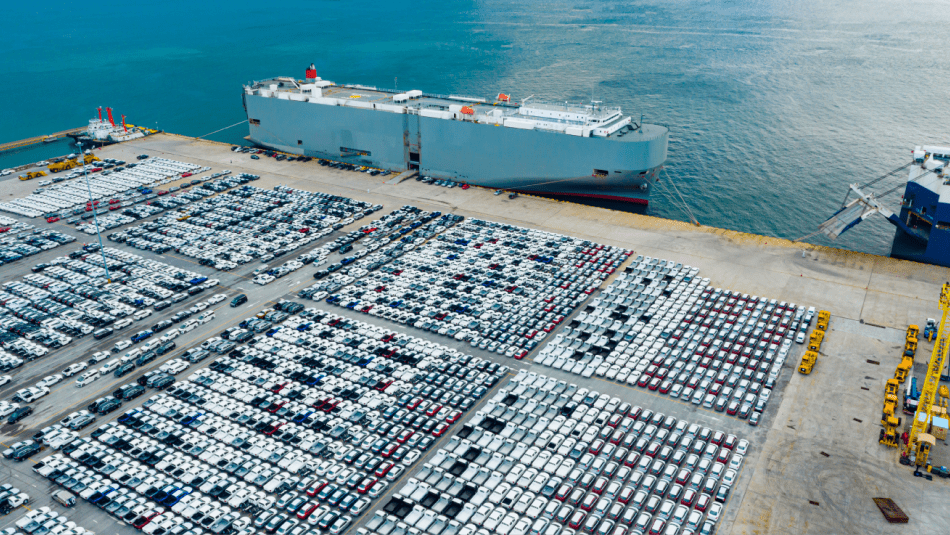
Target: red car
453 417
689 497
431 411
589 502
144 519
307 510
274 430
577 520
366 484
185 175
563 492
702 502
405 435
52 219
440 430
388 450
413 403
521 355
317 487
383 469
596 446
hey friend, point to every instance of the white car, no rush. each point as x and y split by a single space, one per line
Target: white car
4 379
142 314
800 337
74 369
87 378
50 380
98 357
7 408
170 335
121 345
205 318
217 298
121 324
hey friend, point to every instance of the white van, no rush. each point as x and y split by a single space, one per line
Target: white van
87 378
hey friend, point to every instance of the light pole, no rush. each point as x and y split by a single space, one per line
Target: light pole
94 216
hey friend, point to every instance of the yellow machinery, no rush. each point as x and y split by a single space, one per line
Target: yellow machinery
809 359
900 374
823 317
920 442
907 359
31 175
889 435
70 164
814 343
62 166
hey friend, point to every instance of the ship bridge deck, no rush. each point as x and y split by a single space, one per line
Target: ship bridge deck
577 119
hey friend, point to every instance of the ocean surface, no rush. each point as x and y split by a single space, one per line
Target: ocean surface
773 106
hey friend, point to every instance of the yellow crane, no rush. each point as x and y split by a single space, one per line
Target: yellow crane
920 442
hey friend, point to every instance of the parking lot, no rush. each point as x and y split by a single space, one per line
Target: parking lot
63 400
262 390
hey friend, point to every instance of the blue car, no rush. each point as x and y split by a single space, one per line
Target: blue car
138 337
100 495
128 416
176 496
191 418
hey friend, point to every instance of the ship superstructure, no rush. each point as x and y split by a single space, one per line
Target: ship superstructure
550 148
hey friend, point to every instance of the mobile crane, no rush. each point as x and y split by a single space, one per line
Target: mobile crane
920 441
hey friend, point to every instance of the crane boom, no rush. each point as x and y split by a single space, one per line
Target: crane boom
919 441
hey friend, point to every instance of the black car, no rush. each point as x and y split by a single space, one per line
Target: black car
240 299
102 333
124 369
25 451
108 406
19 414
162 325
165 348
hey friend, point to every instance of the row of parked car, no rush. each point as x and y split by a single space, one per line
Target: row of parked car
18 240
384 239
146 202
246 223
72 196
43 521
658 326
69 298
548 458
290 431
500 287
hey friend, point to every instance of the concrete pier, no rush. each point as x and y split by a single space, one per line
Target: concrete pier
815 462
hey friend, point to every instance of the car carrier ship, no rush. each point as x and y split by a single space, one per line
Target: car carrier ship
559 150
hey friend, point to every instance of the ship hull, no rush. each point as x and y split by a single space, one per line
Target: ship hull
529 161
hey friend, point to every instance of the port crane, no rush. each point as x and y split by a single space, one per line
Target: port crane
920 441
